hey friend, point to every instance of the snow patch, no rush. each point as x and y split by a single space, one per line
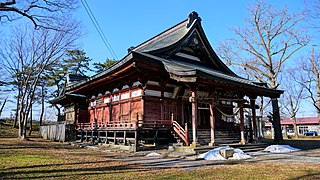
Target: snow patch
214 154
92 147
239 154
281 149
153 154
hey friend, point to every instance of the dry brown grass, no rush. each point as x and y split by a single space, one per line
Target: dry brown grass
43 159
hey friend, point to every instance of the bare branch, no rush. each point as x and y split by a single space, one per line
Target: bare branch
42 13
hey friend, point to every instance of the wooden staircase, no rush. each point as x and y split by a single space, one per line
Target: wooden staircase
222 137
247 148
180 133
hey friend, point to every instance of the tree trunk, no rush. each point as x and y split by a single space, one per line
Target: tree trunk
3 104
24 130
30 130
20 118
295 128
42 105
293 116
318 105
276 121
261 115
17 109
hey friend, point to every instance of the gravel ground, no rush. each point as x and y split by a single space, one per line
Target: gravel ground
186 163
166 161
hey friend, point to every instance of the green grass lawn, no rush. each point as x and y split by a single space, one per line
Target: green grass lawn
43 159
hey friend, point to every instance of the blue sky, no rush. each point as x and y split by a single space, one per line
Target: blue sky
128 23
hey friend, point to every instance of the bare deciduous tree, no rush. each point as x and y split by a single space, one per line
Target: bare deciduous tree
293 96
268 40
27 54
42 13
313 17
310 79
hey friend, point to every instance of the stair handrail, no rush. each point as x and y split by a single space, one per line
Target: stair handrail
180 131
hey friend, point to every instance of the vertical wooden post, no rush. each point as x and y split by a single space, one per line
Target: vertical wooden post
212 124
182 113
142 103
194 117
98 136
250 130
120 108
115 137
172 118
162 116
155 138
136 143
81 140
137 121
242 141
110 109
254 119
187 133
276 120
106 141
124 137
130 108
92 135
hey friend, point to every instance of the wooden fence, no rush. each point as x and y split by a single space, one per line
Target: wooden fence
58 132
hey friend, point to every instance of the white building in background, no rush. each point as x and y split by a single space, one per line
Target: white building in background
304 125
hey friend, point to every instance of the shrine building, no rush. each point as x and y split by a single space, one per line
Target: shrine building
172 88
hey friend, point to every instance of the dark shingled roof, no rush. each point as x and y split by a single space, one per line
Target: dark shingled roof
164 39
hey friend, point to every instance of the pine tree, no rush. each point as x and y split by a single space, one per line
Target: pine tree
99 67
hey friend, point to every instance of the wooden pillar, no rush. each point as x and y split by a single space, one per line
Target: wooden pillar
162 115
120 108
276 121
106 140
182 113
136 143
242 141
194 117
98 136
130 108
142 104
212 124
124 138
254 119
110 110
81 140
92 135
250 130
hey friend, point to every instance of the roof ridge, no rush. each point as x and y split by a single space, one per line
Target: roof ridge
163 33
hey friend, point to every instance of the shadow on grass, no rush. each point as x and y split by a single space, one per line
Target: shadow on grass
308 176
67 171
60 164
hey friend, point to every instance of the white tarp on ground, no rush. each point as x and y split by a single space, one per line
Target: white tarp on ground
239 154
153 154
281 149
92 147
214 154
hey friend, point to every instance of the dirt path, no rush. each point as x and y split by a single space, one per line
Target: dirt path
302 157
